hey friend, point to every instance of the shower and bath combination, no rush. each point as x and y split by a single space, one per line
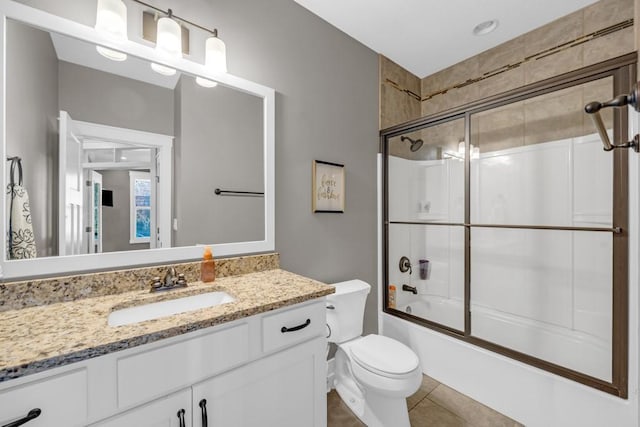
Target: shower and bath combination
416 144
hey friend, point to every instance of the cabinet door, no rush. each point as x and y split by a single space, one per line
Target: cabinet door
287 389
159 413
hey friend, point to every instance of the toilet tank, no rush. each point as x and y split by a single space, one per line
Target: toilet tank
346 317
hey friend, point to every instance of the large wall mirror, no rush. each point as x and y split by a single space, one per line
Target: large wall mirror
120 163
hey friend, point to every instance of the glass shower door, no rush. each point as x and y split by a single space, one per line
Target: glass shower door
541 192
426 223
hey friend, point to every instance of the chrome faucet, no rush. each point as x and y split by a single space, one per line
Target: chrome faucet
171 280
411 289
170 277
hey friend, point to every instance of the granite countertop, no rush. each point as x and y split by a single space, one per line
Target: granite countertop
38 338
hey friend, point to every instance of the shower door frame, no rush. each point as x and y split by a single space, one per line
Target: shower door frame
623 71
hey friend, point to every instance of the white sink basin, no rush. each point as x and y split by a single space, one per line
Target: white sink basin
156 310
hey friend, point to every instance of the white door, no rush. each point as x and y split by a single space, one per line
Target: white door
154 242
163 162
95 214
70 189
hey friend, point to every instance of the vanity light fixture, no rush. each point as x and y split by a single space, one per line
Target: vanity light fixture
111 20
485 27
168 43
215 59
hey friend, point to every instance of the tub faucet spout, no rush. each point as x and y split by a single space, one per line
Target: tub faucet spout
411 289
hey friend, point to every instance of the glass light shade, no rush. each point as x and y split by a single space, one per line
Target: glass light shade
168 44
169 38
111 20
206 82
161 69
215 55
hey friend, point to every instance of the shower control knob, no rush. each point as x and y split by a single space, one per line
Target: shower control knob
405 265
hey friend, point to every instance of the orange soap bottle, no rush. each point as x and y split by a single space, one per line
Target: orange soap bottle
392 296
208 266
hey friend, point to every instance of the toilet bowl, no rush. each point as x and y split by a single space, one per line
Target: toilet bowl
374 374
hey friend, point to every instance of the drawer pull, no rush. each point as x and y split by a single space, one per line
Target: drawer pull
34 413
296 328
203 408
181 417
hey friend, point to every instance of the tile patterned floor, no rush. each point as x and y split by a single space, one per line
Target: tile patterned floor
433 405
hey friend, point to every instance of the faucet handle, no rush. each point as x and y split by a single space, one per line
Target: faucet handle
155 283
182 281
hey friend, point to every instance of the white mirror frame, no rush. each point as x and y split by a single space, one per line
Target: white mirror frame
57 265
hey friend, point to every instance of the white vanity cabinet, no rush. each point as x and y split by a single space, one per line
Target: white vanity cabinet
263 370
282 390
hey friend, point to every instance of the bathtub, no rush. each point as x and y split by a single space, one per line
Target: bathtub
565 347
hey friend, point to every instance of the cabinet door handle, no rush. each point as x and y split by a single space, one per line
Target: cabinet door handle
296 328
181 417
203 408
34 413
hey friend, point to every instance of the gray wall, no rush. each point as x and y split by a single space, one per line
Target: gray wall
220 129
115 220
95 96
32 110
326 109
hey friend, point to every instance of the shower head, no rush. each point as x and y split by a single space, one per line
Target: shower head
416 144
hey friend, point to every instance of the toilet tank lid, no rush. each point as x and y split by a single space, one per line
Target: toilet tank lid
351 286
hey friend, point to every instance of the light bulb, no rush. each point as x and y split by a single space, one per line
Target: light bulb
111 21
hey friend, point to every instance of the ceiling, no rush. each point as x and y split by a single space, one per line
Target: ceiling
425 36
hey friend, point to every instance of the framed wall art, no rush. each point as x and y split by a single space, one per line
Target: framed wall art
328 187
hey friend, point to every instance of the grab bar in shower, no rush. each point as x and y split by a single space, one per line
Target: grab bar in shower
593 109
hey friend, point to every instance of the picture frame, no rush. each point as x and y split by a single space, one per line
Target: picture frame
328 187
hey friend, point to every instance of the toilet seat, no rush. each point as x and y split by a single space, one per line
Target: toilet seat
384 356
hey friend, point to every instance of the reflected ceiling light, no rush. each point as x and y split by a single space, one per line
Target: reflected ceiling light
168 43
485 27
215 59
475 151
111 21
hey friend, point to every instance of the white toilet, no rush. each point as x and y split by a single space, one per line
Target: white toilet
374 374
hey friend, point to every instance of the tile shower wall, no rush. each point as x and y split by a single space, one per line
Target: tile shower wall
399 94
532 57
